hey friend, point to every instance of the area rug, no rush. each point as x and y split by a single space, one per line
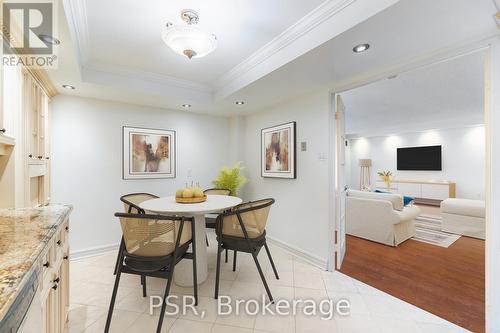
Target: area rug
428 230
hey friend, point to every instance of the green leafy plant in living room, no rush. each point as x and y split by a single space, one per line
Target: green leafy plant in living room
231 179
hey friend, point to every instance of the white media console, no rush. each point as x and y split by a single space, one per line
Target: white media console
424 191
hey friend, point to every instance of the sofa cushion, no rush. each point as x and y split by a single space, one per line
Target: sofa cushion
466 207
406 199
395 199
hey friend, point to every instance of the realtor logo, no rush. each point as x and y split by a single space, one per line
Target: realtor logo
29 33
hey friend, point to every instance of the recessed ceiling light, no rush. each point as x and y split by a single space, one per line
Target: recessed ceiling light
186 105
360 48
240 102
47 39
68 86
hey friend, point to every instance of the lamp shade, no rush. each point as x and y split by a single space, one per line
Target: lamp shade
365 162
189 40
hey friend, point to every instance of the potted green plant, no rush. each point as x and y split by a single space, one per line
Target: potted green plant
231 179
386 176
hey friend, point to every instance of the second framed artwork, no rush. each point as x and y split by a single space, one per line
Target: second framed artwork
278 150
148 153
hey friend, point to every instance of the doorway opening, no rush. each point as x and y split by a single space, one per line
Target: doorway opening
410 169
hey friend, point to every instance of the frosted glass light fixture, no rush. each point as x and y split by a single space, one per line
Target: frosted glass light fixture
189 40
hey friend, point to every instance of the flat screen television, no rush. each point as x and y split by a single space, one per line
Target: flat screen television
419 158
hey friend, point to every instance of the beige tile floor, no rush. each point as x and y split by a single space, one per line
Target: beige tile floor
371 310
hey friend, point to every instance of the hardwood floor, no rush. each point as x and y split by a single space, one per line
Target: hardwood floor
448 282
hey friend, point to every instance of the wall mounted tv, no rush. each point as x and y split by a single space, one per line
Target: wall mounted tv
420 158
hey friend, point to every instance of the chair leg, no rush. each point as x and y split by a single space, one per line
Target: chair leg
226 256
113 297
262 277
195 273
206 239
217 272
234 260
164 304
272 262
120 250
143 282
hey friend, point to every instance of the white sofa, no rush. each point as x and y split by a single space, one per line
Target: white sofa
380 217
463 217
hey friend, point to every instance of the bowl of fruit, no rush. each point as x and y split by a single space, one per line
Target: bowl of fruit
190 195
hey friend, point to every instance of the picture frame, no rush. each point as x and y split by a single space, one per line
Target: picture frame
279 151
148 153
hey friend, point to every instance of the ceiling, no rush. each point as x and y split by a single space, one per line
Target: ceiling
267 53
448 94
134 42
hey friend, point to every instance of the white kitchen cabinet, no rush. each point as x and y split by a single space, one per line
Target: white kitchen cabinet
53 304
36 108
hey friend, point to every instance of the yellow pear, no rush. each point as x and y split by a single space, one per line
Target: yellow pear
198 192
188 193
179 192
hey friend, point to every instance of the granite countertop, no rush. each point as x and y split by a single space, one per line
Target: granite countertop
24 234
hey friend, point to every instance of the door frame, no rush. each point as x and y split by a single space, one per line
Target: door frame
492 164
492 185
492 159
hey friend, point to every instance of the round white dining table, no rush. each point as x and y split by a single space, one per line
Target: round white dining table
183 273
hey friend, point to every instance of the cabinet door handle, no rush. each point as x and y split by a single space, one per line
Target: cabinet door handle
58 242
47 264
54 287
40 157
30 155
3 130
47 158
67 228
65 257
56 280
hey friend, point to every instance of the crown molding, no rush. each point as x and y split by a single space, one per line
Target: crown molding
41 77
123 73
76 14
307 23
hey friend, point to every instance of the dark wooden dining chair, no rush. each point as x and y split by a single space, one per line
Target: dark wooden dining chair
131 204
243 229
154 244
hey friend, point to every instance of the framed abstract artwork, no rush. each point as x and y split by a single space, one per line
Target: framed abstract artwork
148 153
278 148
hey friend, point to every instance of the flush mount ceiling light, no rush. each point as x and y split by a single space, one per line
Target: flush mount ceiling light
47 39
189 40
67 86
360 48
186 105
240 102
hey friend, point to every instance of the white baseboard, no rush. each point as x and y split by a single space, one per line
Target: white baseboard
92 251
304 255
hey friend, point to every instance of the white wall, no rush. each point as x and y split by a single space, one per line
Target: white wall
463 157
299 218
87 163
